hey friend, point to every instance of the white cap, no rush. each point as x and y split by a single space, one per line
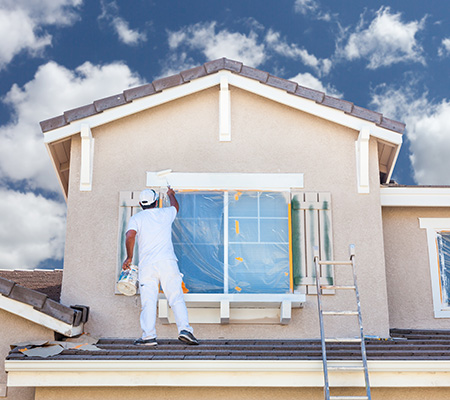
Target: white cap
148 196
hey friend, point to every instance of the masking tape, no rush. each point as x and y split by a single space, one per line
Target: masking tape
238 288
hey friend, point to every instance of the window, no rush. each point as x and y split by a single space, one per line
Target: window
438 236
233 241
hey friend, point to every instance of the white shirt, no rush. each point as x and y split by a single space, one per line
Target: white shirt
154 234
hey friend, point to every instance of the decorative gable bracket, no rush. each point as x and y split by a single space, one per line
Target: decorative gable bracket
224 111
362 160
87 158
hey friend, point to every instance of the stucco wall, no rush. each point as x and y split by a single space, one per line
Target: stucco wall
163 393
183 135
14 329
407 268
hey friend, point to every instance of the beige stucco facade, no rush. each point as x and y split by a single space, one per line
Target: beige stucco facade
246 393
14 329
183 135
408 268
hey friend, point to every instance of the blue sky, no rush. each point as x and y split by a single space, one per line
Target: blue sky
388 56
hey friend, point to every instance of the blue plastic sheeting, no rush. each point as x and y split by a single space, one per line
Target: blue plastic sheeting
257 245
443 240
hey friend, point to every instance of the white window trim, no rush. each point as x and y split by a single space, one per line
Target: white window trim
434 225
204 304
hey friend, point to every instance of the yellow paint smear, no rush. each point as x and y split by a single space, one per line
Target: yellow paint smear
236 196
239 259
22 350
238 288
237 226
286 273
183 286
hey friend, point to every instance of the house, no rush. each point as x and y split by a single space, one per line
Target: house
266 170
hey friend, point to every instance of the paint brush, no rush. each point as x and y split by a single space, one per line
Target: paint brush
163 174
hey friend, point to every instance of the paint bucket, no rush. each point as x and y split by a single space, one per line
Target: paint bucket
127 284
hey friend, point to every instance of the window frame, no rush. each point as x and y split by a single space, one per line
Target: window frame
434 226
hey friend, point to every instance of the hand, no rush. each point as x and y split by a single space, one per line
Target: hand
126 264
170 191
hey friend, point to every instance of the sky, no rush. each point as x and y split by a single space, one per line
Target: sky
389 56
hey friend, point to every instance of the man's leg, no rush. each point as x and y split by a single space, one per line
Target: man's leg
171 284
149 288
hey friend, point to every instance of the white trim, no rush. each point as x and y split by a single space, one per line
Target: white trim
434 225
199 84
87 158
227 181
224 111
362 160
28 312
222 373
415 197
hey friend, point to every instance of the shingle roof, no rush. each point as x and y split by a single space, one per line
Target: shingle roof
42 280
212 67
403 345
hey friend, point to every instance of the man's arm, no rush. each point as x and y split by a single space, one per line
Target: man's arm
129 245
173 200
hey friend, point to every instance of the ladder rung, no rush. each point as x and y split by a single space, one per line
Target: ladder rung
337 287
340 312
355 339
343 368
335 263
349 397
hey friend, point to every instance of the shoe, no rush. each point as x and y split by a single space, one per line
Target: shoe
187 337
146 342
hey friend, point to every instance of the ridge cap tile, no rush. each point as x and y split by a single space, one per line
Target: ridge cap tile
281 83
80 112
167 82
139 92
109 102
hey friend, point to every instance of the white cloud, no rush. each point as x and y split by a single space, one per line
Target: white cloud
53 90
280 46
127 35
312 82
32 229
427 127
21 23
444 50
110 13
311 7
234 45
387 40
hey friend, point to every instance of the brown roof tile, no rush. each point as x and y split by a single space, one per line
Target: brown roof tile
109 102
403 345
210 68
80 112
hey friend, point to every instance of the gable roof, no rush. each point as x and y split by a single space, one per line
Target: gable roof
58 130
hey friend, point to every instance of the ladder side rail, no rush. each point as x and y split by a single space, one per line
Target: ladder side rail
358 302
322 330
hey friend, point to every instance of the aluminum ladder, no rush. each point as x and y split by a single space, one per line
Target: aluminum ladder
356 312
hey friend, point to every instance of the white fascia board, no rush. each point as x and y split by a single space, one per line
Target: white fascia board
227 181
28 312
314 108
256 87
222 373
415 197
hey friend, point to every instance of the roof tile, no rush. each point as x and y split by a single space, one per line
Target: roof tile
280 83
6 286
310 93
392 125
138 92
193 73
58 311
53 123
109 102
80 112
168 82
254 73
28 296
337 103
223 63
364 113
